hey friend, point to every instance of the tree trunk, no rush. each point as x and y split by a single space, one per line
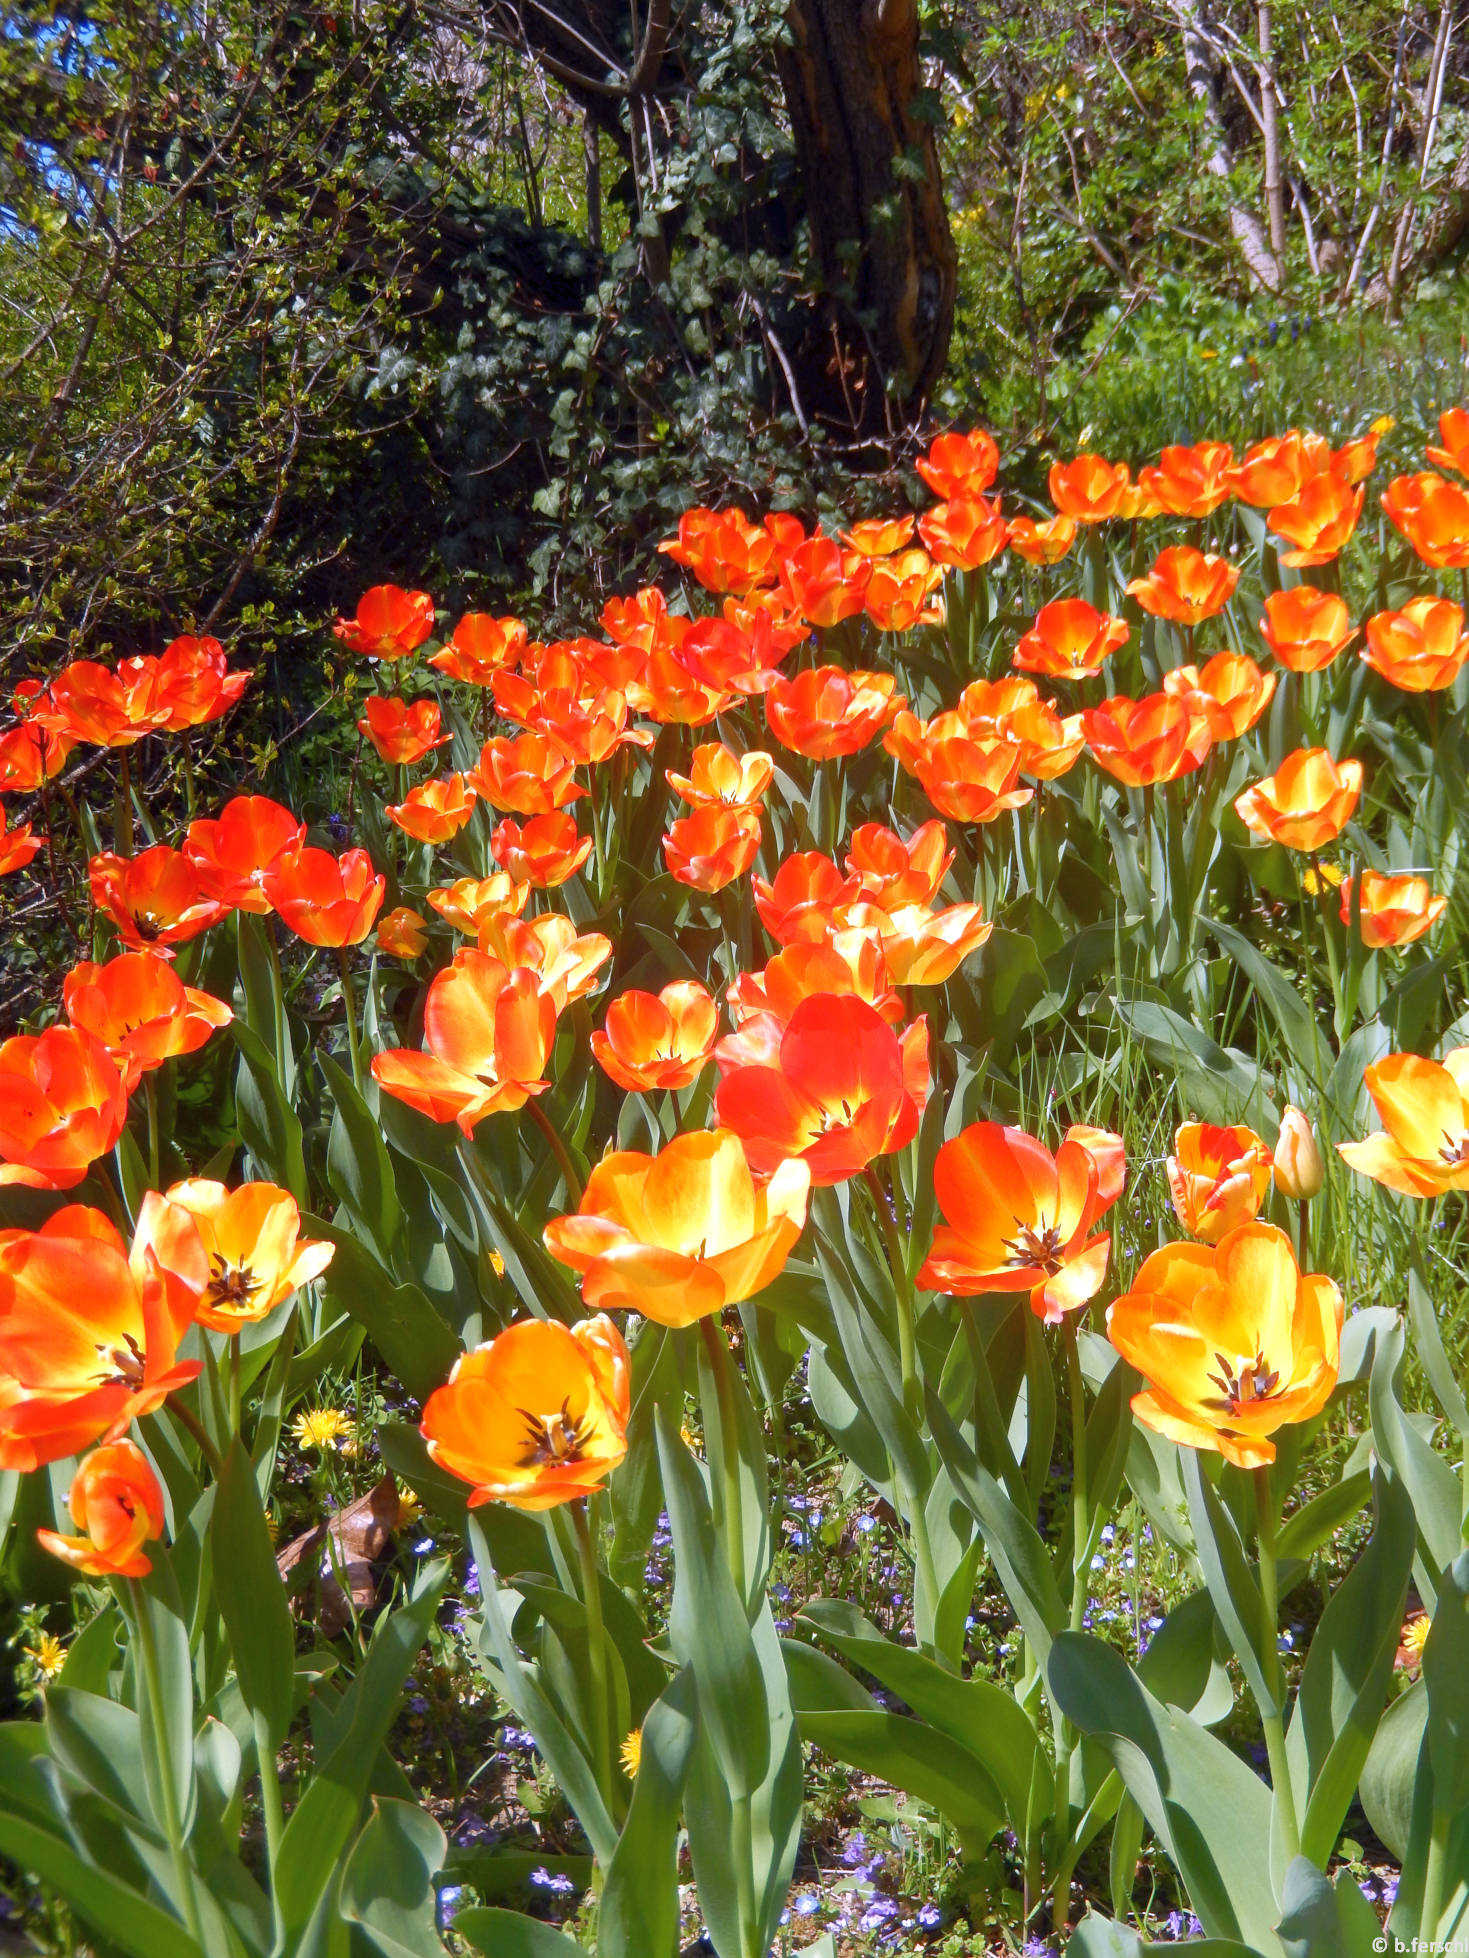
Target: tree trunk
1203 81
877 337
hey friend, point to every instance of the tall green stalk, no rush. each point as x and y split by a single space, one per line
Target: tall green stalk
163 1760
1274 1722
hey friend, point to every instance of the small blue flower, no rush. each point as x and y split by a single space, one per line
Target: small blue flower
929 1917
807 1904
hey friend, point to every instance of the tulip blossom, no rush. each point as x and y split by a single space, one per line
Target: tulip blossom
900 591
1230 692
1306 628
1010 711
390 624
400 732
18 847
922 947
479 648
1089 489
232 853
1217 1178
564 960
1142 742
89 1337
63 1103
652 1041
824 583
824 712
717 775
1274 470
801 900
1318 520
712 847
192 681
536 1416
31 754
1434 517
544 851
680 1235
471 901
966 532
1189 482
1453 433
528 775
1233 1341
846 961
117 1506
1185 585
1069 640
972 781
434 811
108 709
257 1257
401 933
1394 910
960 465
724 550
1305 803
1299 1171
666 691
1020 1219
1421 649
488 1031
1423 1151
892 871
141 1011
156 899
324 899
1042 540
838 1090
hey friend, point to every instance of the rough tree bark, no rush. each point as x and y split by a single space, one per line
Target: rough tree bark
1203 80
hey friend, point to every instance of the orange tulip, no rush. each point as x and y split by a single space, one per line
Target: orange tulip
434 811
1217 1178
1306 628
1141 742
399 732
960 465
1231 693
324 899
1305 803
1089 489
1424 1149
1299 1170
1009 710
1319 520
658 1040
31 754
543 853
191 679
1233 1341
527 776
481 647
63 1103
156 899
1434 517
848 961
972 781
824 712
536 1416
713 846
922 947
1421 649
1069 640
722 656
899 591
1274 470
88 1338
800 902
92 703
1042 541
390 624
965 532
879 536
837 1090
824 583
470 901
17 846
401 933
117 1506
141 1011
1453 433
718 776
1394 910
667 691
232 853
892 871
1189 482
680 1235
724 550
257 1257
1355 461
487 1032
1185 585
564 960
1019 1218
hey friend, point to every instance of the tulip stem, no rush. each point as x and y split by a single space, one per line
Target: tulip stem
192 1424
235 1396
591 1584
733 1519
1273 1722
163 1759
150 1099
349 1002
270 1792
1433 1874
1303 1232
1080 1527
559 1150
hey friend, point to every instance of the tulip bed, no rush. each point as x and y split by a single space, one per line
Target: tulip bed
976 1016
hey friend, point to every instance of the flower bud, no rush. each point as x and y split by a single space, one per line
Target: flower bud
1298 1169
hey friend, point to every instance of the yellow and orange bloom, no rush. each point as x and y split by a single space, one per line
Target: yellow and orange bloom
390 624
922 947
1020 1219
802 900
966 532
488 1031
893 871
1233 1340
63 1103
1069 640
31 754
960 465
1422 649
824 711
542 852
1089 489
117 1506
434 811
1042 540
1423 1150
324 899
89 1338
18 847
192 680
401 934
1306 628
824 583
1434 517
724 550
480 647
972 781
836 1089
1305 803
232 852
878 537
846 961
1318 520
471 901
1009 710
92 703
680 1235
528 775
1217 1178
564 960
1142 742
156 899
713 846
652 1041
1185 585
1394 910
1299 1171
401 732
1453 433
718 776
1274 470
900 592
727 656
141 1011
1230 692
256 1255
536 1416
1189 482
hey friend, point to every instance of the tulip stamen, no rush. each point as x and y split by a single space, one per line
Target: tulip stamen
1256 1381
554 1439
1034 1245
128 1363
1455 1149
231 1286
148 925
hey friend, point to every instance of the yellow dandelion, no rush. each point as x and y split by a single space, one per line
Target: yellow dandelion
1413 1637
1384 424
408 1505
689 1439
631 1753
320 1428
47 1655
1316 878
497 1264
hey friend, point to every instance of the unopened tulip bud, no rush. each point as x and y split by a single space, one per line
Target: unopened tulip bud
1298 1169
